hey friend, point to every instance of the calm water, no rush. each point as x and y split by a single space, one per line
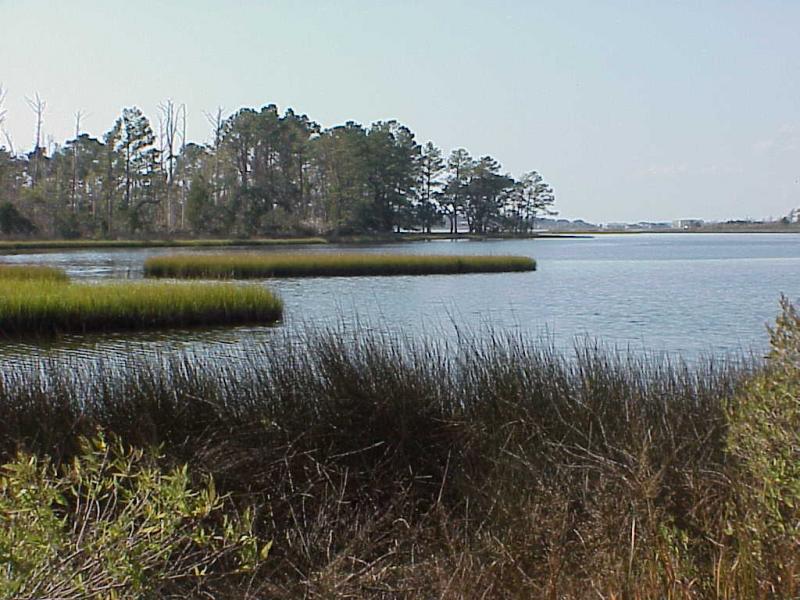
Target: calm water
682 294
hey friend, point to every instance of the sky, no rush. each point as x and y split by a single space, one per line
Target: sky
637 110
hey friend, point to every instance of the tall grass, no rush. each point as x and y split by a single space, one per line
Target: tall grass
47 307
383 468
309 265
8 245
30 273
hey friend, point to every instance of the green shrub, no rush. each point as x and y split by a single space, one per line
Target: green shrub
764 444
111 524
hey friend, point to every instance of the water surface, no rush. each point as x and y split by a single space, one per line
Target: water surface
683 294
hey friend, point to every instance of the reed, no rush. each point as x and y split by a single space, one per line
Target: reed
42 307
385 468
382 468
30 273
9 245
241 266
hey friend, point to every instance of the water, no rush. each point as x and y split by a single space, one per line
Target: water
687 295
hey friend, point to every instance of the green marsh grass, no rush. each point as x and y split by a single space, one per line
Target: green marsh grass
30 273
31 307
241 266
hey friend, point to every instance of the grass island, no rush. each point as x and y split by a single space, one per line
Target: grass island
42 301
244 266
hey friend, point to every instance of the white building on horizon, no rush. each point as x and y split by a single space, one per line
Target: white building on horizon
687 223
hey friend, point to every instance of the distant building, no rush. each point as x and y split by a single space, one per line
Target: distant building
649 225
687 223
794 215
616 226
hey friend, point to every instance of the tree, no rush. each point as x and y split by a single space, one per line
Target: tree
12 222
168 129
532 196
200 205
430 189
134 155
262 172
340 176
392 175
485 193
38 106
459 166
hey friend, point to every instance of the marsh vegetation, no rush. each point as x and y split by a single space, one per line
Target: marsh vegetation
379 467
242 266
41 301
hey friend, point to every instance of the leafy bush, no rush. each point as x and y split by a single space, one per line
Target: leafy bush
764 443
111 524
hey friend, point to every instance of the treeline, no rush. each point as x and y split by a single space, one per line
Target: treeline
264 173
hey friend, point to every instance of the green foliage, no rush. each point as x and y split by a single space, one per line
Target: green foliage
51 307
12 222
240 266
764 442
264 173
199 205
112 524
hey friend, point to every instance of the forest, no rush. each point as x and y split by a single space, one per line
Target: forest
262 174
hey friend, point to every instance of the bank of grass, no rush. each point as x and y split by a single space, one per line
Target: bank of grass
382 468
11 273
241 266
45 307
14 245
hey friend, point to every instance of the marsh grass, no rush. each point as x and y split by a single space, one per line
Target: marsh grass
7 245
240 266
45 307
383 468
30 273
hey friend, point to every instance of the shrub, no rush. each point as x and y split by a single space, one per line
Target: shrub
764 443
112 524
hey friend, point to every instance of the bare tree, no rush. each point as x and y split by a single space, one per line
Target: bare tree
168 125
216 121
3 93
74 191
38 106
169 122
3 113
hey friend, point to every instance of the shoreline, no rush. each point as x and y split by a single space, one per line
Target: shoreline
12 246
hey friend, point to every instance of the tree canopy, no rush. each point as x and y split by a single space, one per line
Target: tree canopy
264 173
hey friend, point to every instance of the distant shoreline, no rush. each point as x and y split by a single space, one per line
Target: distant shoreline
7 246
10 246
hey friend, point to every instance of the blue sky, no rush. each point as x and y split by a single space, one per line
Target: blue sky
632 110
